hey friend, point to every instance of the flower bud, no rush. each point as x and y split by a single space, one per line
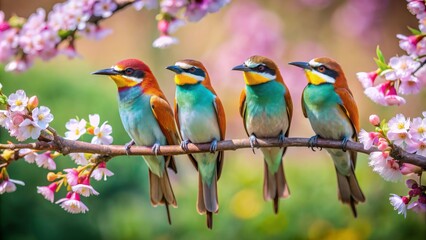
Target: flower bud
374 119
407 168
405 200
51 176
32 103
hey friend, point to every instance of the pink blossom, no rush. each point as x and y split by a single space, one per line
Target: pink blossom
418 128
84 188
417 207
374 120
172 7
19 65
45 160
368 139
416 7
101 171
410 44
402 67
385 166
28 129
42 116
72 176
75 129
417 146
367 78
48 192
384 94
29 155
8 185
165 41
104 8
407 168
148 4
72 204
399 122
17 101
383 144
399 204
79 158
95 32
410 85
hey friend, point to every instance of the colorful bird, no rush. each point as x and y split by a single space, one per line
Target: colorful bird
329 105
148 119
266 108
201 119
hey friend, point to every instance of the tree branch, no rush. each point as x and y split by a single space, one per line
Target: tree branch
68 146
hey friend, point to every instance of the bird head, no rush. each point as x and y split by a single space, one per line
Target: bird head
189 72
127 73
258 70
322 70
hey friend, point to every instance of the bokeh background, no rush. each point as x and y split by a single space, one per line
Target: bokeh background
285 31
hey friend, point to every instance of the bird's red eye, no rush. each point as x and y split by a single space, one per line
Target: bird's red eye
128 71
321 69
261 68
192 69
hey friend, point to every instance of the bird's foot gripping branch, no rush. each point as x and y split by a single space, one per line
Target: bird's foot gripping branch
396 148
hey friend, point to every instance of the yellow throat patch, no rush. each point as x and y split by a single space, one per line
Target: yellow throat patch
181 79
122 81
314 78
252 78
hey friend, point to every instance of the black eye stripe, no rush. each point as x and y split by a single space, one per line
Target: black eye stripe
195 71
327 71
130 72
265 69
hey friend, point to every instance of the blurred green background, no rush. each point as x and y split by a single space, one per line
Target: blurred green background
285 31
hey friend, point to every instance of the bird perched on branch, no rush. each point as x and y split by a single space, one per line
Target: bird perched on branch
329 105
201 119
266 108
148 119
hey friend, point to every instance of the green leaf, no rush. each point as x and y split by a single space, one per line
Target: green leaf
3 99
414 31
380 56
381 65
64 33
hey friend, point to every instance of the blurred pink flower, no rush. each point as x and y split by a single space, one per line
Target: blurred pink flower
72 176
48 192
45 160
72 204
84 188
368 139
416 7
384 94
104 8
399 204
385 166
367 78
101 172
8 185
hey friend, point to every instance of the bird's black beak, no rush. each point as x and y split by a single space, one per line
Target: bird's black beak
241 67
304 65
175 69
107 71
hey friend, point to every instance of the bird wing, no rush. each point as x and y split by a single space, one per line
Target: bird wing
191 158
303 104
164 116
350 108
289 104
243 108
221 120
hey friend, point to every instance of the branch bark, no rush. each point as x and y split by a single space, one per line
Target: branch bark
65 146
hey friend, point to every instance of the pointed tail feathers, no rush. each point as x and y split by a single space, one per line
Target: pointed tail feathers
275 186
349 190
207 201
161 192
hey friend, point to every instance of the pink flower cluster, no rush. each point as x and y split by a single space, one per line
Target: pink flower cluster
401 132
101 134
174 11
410 135
77 181
402 75
23 118
7 184
402 203
22 41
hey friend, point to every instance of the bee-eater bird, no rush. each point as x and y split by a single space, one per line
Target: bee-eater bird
201 119
148 119
266 108
329 105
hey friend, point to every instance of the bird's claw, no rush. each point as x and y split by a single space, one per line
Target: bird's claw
281 138
213 146
313 141
184 145
344 144
253 140
128 145
155 148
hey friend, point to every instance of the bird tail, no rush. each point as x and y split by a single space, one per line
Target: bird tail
207 201
349 190
275 186
161 192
